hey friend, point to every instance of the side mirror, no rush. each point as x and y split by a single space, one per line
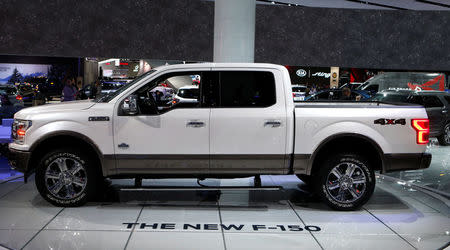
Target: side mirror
129 105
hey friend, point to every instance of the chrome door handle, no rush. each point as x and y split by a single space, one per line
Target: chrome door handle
273 124
195 124
444 111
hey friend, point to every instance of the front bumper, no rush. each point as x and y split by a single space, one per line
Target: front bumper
397 162
19 160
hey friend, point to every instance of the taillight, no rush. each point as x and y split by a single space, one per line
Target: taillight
422 127
19 97
293 94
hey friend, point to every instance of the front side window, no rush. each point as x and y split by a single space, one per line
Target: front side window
431 102
170 91
247 89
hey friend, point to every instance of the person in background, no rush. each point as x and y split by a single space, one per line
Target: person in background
313 89
79 82
94 87
347 95
69 91
39 97
307 92
98 86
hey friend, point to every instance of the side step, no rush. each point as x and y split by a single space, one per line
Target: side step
200 187
209 188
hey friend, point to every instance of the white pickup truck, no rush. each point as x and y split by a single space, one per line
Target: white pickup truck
244 123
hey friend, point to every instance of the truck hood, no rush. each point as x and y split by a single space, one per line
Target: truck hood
59 107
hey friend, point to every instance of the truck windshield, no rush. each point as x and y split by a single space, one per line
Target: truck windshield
108 97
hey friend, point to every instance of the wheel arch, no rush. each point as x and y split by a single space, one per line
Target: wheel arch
65 138
351 142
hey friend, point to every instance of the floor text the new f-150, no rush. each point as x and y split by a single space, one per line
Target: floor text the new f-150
244 123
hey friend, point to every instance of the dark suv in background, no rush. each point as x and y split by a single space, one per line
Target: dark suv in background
437 104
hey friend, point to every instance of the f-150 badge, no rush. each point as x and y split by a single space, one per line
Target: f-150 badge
383 121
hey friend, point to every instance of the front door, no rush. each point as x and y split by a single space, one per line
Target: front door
166 136
248 124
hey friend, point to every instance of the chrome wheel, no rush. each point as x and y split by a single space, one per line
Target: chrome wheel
447 134
65 178
346 182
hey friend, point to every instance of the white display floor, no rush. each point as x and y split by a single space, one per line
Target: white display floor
397 217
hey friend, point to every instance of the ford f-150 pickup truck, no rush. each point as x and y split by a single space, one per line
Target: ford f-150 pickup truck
244 123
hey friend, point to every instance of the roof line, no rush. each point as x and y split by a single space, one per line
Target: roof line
434 3
376 4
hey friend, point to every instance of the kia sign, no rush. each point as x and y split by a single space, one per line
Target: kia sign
318 76
301 72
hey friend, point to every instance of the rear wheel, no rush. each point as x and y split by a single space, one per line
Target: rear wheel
66 177
345 181
444 139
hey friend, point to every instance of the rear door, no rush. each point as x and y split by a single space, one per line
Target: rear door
248 124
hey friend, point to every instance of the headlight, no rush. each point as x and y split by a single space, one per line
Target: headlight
19 129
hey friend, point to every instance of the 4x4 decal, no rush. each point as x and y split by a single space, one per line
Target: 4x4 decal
383 121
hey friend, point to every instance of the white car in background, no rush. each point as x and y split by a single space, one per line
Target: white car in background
187 94
298 92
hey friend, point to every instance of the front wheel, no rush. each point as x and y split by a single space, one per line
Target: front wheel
66 177
444 139
345 181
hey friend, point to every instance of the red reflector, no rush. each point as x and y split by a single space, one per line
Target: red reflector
422 127
19 97
20 132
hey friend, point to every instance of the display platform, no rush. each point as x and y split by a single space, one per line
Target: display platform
397 217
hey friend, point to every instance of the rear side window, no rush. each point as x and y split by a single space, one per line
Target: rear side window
390 97
8 90
447 98
247 89
372 88
431 102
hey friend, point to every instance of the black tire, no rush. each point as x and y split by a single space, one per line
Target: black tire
69 183
444 139
307 179
347 195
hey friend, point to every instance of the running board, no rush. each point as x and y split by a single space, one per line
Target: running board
212 188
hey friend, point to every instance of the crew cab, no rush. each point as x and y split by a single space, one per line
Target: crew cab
244 123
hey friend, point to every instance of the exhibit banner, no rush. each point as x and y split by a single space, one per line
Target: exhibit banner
12 73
